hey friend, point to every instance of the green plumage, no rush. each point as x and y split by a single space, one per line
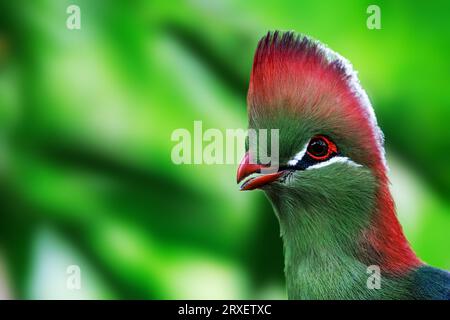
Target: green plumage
322 214
337 218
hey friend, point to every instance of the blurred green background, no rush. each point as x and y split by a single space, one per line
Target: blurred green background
86 117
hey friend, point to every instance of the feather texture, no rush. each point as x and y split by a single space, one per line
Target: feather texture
339 218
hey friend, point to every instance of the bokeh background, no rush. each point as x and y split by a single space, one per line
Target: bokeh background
86 116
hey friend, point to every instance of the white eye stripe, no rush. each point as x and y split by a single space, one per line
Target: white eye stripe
336 159
298 156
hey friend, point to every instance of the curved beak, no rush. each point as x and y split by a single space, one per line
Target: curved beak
246 169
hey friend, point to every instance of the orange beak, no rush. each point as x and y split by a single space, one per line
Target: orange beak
246 169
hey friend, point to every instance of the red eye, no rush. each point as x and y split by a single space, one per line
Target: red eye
321 148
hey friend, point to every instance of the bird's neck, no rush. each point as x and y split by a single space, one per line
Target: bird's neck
328 250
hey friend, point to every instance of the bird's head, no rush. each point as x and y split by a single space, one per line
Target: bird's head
330 146
330 189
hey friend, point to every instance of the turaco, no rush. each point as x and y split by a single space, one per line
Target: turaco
331 191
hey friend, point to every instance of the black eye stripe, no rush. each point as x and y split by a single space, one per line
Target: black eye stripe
306 161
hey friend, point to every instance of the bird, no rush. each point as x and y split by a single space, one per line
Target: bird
329 188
